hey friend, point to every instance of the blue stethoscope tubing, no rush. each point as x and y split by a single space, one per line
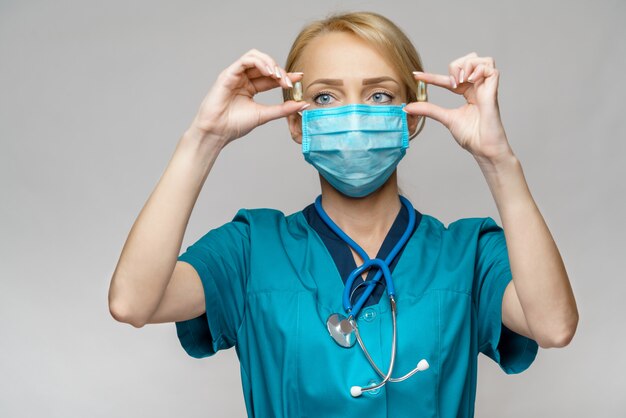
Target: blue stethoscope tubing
339 325
368 263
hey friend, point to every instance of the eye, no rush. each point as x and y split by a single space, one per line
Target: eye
380 95
325 95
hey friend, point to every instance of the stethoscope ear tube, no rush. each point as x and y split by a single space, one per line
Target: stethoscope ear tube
368 263
347 303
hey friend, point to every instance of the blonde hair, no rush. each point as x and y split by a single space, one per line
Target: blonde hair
380 32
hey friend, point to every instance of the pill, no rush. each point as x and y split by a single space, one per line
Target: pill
422 96
297 91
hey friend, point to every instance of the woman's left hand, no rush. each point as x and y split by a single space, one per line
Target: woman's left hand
476 125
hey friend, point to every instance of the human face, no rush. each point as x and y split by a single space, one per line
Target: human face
341 68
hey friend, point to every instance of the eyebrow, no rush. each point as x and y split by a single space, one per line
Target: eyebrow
339 82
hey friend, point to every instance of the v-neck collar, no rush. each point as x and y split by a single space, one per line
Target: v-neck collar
343 258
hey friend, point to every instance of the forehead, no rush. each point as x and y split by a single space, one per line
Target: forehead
343 55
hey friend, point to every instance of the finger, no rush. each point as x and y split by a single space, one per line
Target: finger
273 67
253 66
470 65
484 70
430 110
269 61
488 75
278 72
261 84
455 67
440 80
255 73
285 79
244 64
292 77
295 75
271 112
478 74
281 77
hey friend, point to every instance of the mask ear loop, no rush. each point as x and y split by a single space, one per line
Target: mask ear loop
421 96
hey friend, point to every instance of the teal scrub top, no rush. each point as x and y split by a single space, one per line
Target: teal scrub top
270 283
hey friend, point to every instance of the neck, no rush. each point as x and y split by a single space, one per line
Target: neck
364 219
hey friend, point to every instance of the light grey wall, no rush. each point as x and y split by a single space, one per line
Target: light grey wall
94 96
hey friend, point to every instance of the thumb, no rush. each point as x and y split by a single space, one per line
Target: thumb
271 112
430 110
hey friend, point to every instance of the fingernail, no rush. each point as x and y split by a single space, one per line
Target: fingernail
269 69
289 83
297 72
461 75
452 82
305 106
277 71
404 110
417 72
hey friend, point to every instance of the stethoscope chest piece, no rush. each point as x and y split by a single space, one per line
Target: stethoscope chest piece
341 329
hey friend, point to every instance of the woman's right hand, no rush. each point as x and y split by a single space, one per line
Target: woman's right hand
228 111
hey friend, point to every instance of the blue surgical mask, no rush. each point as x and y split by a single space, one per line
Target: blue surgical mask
355 147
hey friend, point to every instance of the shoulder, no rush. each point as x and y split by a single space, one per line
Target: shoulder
462 239
259 216
265 222
463 250
463 228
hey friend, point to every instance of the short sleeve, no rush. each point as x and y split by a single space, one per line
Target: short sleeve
512 351
221 259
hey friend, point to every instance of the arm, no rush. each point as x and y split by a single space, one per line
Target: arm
149 256
539 302
148 284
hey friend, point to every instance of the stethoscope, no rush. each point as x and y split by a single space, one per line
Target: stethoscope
344 330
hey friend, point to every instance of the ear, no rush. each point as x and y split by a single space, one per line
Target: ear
412 123
294 121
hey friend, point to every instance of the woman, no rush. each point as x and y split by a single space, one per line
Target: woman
271 285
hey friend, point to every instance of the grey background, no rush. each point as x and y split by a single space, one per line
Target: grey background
95 95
